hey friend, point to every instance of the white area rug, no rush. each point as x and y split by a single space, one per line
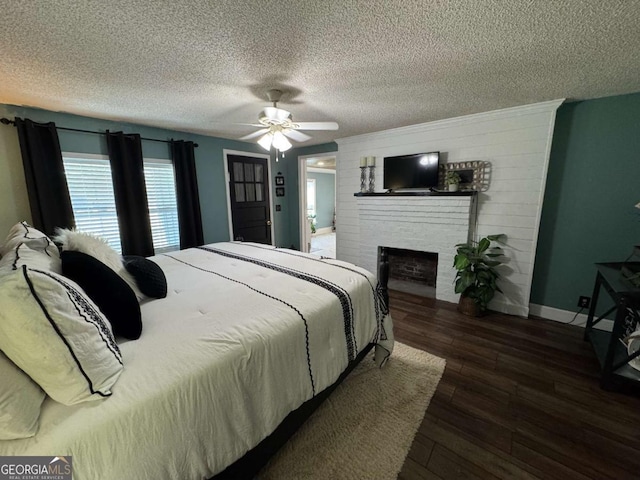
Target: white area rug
365 428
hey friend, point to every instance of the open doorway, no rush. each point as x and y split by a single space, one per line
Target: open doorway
318 204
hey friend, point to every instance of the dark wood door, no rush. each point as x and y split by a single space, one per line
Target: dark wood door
249 191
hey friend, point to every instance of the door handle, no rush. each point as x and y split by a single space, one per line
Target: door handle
269 222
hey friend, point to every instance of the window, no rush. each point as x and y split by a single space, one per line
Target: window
163 207
248 181
91 191
94 206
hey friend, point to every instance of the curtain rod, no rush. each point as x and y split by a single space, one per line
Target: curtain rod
6 121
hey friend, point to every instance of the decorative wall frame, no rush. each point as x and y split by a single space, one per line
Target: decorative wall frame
474 174
279 180
279 191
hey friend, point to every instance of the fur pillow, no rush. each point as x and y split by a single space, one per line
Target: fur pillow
99 249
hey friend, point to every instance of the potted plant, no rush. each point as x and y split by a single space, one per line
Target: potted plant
476 275
452 180
312 223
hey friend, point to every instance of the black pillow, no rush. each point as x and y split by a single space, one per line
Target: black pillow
148 275
108 291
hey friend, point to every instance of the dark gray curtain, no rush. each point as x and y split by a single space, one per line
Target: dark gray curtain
44 173
189 215
127 171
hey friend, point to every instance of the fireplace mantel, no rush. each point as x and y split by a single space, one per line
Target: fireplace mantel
416 194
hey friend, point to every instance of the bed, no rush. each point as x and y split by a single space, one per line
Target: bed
247 334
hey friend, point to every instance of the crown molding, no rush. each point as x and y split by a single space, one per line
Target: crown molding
548 106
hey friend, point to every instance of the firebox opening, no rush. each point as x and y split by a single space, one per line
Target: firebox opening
413 271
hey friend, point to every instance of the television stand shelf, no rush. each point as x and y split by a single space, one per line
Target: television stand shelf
611 353
416 194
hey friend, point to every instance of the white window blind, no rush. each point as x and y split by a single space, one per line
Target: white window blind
91 191
93 201
163 207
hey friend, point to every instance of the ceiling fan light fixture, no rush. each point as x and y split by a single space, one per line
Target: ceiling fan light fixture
266 140
278 124
273 115
280 142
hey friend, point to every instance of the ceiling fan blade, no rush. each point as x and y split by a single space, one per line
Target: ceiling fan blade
297 136
248 124
262 131
316 125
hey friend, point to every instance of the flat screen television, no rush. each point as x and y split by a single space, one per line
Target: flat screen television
419 170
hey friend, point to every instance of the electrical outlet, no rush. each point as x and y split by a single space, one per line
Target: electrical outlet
583 302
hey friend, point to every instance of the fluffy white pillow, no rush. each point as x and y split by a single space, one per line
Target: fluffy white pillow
98 248
20 400
53 332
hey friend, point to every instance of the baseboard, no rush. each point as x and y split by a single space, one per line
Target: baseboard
565 316
517 310
323 230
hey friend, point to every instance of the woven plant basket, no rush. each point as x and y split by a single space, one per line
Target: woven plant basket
467 306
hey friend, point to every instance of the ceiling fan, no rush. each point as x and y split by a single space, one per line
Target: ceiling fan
277 124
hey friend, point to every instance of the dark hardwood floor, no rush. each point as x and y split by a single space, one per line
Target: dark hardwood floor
519 399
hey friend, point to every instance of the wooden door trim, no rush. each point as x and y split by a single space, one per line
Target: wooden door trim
227 179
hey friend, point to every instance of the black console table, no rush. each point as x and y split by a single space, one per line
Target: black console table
609 350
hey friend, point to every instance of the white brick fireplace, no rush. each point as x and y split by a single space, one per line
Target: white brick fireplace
421 223
514 141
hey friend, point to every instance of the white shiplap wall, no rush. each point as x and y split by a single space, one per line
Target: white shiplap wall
516 141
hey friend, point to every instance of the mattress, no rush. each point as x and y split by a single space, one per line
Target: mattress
246 334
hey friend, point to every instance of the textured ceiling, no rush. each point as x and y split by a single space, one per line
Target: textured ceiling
369 65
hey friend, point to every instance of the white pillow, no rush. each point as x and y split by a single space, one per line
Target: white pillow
20 400
23 254
98 248
22 232
52 331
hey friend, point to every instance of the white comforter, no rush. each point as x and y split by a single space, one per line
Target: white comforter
246 334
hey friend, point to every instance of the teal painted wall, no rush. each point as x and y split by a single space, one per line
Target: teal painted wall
209 162
593 183
291 167
325 197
